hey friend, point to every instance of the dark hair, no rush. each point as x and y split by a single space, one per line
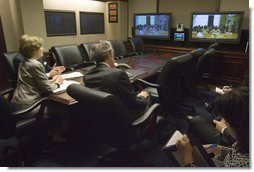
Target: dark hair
234 108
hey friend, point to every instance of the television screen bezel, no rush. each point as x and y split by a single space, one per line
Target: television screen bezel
149 36
65 12
229 41
84 12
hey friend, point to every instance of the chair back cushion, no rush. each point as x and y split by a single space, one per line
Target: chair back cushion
187 64
203 63
197 52
7 122
118 47
138 45
12 70
68 55
106 111
86 50
170 81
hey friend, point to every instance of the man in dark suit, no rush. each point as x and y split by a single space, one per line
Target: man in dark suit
105 77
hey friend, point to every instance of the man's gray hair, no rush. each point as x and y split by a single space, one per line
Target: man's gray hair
100 51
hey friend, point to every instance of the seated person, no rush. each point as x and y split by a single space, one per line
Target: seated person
105 77
234 108
51 71
32 81
212 130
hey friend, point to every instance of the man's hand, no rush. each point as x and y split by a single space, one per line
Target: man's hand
144 94
226 89
220 124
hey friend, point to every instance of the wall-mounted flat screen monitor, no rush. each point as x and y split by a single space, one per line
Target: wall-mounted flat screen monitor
179 36
222 27
152 25
59 23
91 23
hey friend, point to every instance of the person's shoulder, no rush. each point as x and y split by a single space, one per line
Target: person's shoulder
18 57
33 63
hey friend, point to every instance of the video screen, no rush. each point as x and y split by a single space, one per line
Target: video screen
152 25
179 37
216 26
59 23
91 23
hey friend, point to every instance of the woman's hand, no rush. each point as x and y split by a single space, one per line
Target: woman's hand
184 146
59 79
211 148
56 70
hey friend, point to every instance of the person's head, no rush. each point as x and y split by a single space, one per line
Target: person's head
31 46
234 108
103 52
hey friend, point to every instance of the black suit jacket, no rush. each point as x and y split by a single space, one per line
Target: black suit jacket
116 82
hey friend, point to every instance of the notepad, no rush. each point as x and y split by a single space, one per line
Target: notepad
72 75
172 141
64 86
219 91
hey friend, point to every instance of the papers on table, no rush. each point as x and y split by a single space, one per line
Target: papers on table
219 91
72 75
64 86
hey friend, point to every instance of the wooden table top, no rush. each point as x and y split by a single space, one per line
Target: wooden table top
150 64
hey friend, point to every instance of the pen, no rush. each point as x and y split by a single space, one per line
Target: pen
211 146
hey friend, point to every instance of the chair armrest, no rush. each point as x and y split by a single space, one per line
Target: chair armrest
86 64
146 83
7 91
78 66
43 100
147 114
131 54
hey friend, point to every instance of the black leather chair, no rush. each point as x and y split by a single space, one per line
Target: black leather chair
190 74
11 69
203 64
110 118
186 63
14 124
167 90
214 45
70 56
86 50
119 48
138 45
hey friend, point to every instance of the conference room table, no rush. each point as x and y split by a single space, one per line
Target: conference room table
146 64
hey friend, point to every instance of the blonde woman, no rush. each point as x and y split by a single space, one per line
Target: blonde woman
32 81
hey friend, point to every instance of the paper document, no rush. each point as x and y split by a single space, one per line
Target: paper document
218 90
64 86
72 75
175 137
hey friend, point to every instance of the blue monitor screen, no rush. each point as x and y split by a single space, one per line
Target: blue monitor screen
179 37
151 25
216 27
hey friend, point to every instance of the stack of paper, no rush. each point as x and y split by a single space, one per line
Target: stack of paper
72 75
176 136
64 86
